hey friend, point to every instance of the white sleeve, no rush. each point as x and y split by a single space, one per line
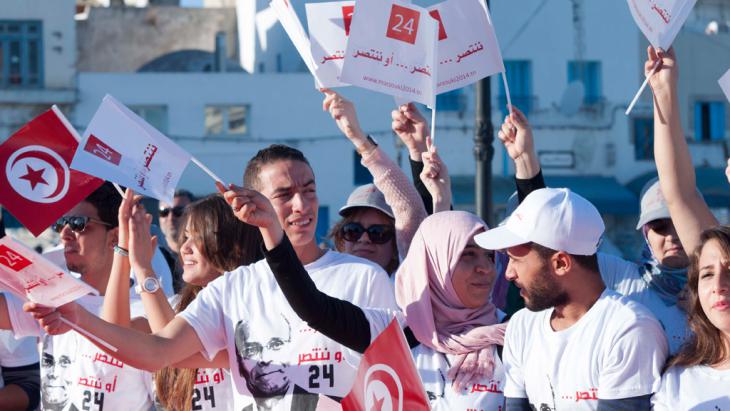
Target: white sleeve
512 354
23 323
614 269
381 293
633 366
662 400
17 353
205 315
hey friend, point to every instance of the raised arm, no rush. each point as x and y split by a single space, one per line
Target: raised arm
339 320
677 180
398 191
516 135
412 129
435 177
115 308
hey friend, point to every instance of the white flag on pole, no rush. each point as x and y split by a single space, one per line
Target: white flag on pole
31 276
725 84
329 27
119 146
660 20
246 21
294 29
392 49
467 48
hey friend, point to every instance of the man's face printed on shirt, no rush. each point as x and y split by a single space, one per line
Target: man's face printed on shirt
56 379
256 351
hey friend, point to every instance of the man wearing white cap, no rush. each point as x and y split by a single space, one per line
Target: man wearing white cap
577 346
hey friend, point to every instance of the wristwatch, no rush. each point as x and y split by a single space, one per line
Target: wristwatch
148 285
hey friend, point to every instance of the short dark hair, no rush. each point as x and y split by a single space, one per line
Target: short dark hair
268 155
106 199
589 262
185 193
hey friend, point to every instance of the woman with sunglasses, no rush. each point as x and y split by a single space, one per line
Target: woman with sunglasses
379 219
442 289
213 241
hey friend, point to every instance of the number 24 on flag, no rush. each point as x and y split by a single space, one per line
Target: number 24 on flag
403 24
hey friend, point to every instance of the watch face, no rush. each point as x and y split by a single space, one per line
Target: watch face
150 284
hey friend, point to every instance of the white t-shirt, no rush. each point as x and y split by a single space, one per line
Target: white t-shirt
695 388
284 364
624 277
16 353
433 368
608 354
75 374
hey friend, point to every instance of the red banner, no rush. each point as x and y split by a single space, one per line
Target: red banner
36 184
387 378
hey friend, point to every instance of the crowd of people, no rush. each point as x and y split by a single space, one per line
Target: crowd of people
262 318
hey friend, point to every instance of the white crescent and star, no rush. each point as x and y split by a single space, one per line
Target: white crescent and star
38 174
378 395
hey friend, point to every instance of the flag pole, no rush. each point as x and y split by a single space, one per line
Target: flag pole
641 89
207 170
433 122
506 91
88 334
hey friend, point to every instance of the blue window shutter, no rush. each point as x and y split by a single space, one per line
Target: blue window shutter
717 121
361 175
323 223
520 83
698 121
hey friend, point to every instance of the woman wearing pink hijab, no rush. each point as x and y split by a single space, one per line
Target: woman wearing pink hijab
442 288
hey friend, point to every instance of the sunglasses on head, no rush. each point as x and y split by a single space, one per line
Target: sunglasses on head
377 233
176 211
77 224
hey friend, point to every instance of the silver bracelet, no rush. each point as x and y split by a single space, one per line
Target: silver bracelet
121 251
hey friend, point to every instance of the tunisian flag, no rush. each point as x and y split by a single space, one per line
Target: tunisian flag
387 378
36 184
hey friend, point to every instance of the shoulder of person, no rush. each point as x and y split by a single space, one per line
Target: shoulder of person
334 260
524 321
615 267
628 316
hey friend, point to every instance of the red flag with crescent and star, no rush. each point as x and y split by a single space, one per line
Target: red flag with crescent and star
36 184
387 379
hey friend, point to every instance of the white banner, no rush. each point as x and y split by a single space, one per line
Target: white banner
660 20
294 29
391 49
467 48
329 27
725 84
30 276
119 146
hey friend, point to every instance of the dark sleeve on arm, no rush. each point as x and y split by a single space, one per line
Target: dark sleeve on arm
517 404
339 320
528 185
416 169
642 403
28 379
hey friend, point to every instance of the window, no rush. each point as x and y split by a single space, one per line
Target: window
323 224
451 101
361 175
709 120
643 138
226 120
21 52
589 73
155 115
519 77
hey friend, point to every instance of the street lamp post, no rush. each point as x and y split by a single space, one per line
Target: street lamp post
483 150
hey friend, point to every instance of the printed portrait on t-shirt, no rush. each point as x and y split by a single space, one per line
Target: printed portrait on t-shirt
56 377
261 353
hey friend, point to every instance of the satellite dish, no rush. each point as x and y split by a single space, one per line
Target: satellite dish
572 98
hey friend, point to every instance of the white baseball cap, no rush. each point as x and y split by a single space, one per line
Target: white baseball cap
555 218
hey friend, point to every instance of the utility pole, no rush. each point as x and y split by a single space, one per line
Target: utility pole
483 151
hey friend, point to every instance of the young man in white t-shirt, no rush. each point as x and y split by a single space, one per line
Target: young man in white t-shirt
577 345
75 375
276 360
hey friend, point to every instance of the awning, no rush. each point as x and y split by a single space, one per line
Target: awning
711 182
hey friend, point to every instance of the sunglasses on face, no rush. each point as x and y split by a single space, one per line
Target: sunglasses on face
176 211
77 224
377 233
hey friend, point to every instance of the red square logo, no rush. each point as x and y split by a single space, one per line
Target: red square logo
403 24
347 16
101 150
12 259
442 31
